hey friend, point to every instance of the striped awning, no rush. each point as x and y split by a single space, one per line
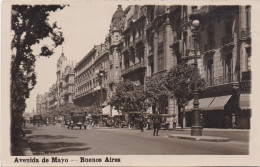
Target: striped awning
219 102
203 104
244 101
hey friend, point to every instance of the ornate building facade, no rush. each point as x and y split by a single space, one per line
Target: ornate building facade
147 40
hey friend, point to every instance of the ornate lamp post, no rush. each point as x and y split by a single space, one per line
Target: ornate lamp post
101 74
196 129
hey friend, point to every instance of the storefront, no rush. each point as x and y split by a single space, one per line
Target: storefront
218 112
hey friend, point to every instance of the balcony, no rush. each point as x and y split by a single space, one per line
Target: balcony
127 70
125 49
228 41
245 86
214 81
134 67
204 10
209 48
139 40
245 33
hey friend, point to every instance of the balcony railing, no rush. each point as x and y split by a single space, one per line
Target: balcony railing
204 10
133 67
227 40
245 32
245 86
209 46
229 78
139 39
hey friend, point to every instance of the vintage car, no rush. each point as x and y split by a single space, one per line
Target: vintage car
109 121
37 120
133 120
77 119
164 119
120 121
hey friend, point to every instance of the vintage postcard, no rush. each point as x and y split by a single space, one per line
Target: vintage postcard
127 83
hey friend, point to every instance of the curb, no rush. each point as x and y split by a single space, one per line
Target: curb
200 138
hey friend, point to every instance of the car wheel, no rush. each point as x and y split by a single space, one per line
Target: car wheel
130 126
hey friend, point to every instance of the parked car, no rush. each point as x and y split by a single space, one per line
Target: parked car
109 121
120 121
37 120
77 119
165 121
133 120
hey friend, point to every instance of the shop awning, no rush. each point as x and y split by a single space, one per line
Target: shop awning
244 101
219 102
203 104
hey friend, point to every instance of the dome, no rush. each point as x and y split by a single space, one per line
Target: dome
119 13
117 19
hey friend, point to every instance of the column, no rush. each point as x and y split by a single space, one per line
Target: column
155 51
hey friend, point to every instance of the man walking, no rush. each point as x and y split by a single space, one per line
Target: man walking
156 125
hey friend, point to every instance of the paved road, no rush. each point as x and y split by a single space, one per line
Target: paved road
57 140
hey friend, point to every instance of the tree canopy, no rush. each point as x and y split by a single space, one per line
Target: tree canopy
29 25
156 90
180 81
129 97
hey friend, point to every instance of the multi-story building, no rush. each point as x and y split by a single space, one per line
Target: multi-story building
42 104
103 58
225 51
147 40
52 98
65 81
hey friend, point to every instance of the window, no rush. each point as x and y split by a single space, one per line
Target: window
228 68
210 72
248 54
193 8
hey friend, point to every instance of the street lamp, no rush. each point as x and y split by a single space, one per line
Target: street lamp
101 74
196 129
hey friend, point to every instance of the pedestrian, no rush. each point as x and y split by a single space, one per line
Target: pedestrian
174 122
156 125
234 121
141 124
227 121
201 120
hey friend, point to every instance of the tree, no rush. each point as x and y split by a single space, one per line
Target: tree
156 90
29 25
129 97
180 82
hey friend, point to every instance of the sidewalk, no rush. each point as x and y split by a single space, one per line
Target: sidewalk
209 134
21 148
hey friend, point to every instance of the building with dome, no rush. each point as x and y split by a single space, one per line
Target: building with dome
147 40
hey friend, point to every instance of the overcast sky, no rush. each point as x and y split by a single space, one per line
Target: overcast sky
83 26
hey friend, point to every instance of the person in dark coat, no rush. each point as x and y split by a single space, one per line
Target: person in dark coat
156 125
141 123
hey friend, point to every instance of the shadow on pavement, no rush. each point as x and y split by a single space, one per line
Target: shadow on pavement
49 137
56 147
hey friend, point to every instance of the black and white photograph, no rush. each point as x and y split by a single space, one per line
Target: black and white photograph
98 81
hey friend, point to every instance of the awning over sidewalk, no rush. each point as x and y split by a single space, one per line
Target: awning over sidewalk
106 110
204 104
244 101
219 102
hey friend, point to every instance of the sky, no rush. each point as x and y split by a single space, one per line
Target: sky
83 26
